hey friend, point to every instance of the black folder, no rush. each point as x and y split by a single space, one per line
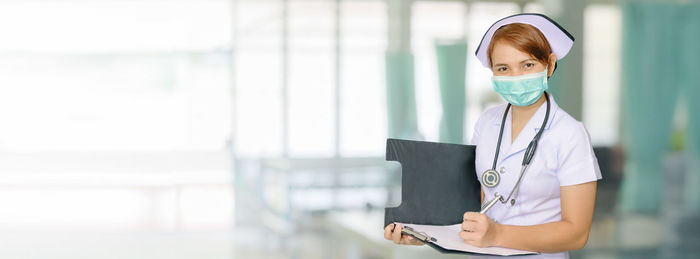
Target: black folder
438 182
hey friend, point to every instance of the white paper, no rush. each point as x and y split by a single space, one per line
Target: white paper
448 238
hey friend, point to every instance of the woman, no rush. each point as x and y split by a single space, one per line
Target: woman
551 210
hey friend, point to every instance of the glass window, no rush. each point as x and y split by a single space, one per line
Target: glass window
258 70
362 78
311 78
90 79
116 114
601 75
431 21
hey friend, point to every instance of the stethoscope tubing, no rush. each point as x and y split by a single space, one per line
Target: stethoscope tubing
527 158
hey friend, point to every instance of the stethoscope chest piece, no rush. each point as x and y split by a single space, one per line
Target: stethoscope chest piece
490 178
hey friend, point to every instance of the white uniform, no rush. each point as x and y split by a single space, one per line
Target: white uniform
564 156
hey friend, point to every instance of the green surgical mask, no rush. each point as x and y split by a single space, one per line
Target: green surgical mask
521 90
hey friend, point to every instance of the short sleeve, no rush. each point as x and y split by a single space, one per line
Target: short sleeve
577 162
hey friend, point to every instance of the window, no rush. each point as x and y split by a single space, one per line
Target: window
116 114
431 21
363 40
601 78
258 70
311 78
114 75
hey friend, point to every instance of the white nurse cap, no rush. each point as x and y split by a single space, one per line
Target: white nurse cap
559 39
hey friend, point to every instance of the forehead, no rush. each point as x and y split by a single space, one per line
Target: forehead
506 53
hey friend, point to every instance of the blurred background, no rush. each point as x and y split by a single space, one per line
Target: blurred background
257 128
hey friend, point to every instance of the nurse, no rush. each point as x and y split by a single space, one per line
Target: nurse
552 208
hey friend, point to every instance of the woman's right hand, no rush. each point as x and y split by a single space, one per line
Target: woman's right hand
394 234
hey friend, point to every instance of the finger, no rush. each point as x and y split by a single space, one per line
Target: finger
417 242
387 231
409 240
473 216
396 236
412 241
469 226
466 236
470 238
405 240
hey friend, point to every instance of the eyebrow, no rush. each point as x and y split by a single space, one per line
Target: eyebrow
529 59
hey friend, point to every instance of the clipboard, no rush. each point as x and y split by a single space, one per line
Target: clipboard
438 185
446 240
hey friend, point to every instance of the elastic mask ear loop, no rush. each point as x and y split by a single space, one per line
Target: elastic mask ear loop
546 69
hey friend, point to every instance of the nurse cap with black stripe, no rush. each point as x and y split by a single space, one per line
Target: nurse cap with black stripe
559 39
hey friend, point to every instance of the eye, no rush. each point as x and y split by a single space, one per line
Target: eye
501 69
529 65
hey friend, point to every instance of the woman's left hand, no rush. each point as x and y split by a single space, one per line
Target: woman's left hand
478 230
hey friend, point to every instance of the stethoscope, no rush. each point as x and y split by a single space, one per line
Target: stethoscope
491 178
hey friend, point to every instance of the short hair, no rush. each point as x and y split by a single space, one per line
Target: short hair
523 37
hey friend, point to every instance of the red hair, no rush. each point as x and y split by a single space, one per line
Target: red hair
523 37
